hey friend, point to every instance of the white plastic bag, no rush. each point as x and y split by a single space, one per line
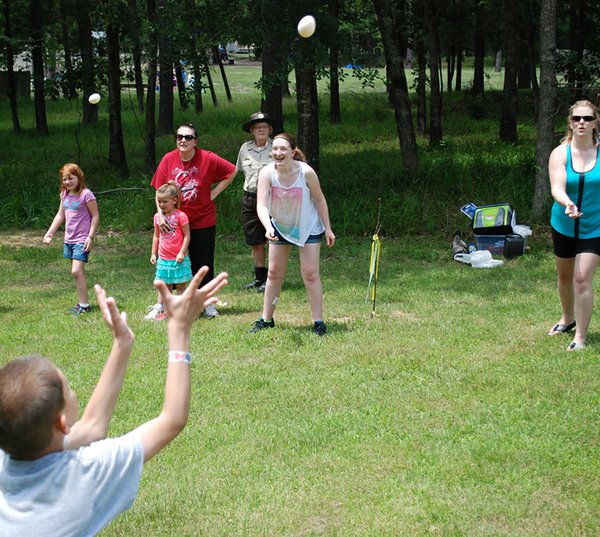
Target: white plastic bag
479 259
463 258
524 231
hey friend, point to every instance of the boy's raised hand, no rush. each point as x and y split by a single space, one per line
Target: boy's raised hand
182 311
185 308
96 417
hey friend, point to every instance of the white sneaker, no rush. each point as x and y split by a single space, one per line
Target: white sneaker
153 312
210 312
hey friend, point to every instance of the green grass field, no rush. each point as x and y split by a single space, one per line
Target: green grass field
447 413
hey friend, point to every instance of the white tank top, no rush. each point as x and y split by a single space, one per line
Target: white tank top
293 211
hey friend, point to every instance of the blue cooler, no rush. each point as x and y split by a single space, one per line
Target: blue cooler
492 224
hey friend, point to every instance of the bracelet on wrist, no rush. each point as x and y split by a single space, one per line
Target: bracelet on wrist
180 356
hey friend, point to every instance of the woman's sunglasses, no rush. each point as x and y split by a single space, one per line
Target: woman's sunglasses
186 137
587 119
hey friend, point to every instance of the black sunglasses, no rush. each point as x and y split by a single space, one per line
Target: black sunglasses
587 119
186 137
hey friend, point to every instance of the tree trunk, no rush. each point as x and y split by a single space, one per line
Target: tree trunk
285 85
523 35
211 86
577 25
88 79
307 103
450 66
335 113
136 53
180 86
390 15
165 62
479 51
116 147
10 72
508 121
435 123
71 87
198 104
37 61
459 64
523 72
217 55
531 40
151 52
272 72
420 40
421 86
547 107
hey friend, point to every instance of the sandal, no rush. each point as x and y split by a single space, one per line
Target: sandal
561 329
575 346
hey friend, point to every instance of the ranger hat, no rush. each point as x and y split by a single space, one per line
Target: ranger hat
257 117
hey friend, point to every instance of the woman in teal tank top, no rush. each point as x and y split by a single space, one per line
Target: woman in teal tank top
574 172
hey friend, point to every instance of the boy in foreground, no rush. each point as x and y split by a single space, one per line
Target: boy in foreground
52 481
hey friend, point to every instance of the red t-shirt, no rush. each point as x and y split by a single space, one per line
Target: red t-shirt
195 178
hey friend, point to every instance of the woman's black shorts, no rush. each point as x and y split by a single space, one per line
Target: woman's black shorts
567 247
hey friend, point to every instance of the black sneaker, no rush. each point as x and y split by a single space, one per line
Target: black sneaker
252 285
320 328
79 309
260 278
257 284
260 324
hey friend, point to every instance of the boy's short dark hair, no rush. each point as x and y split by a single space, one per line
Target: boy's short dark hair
31 397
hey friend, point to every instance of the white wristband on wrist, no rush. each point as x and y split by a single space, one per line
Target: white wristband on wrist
180 356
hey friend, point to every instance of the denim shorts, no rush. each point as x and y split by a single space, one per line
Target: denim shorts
75 251
312 239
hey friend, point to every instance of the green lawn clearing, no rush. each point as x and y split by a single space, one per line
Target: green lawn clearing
449 412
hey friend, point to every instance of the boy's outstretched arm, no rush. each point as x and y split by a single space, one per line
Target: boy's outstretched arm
96 417
182 312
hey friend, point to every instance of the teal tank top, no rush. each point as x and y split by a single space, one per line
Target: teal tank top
584 191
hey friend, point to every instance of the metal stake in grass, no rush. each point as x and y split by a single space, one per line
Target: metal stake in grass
374 262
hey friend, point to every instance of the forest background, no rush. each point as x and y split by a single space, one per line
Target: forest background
426 105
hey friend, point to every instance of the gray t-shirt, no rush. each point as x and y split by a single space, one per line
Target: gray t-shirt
70 493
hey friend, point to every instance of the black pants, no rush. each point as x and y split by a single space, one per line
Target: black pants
202 251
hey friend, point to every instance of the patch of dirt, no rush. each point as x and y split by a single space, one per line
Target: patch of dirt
21 238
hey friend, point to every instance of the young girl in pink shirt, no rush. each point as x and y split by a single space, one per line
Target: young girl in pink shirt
79 210
169 249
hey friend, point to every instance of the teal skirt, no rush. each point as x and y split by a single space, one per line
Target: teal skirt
169 271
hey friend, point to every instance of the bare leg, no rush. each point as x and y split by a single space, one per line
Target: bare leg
181 287
278 260
564 269
78 273
258 252
309 267
585 268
